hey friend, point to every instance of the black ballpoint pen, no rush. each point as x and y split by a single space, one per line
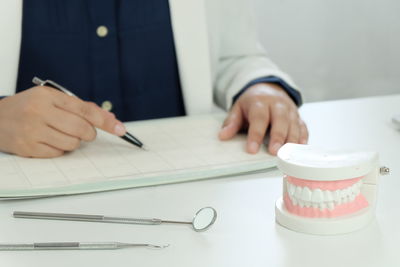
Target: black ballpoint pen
127 136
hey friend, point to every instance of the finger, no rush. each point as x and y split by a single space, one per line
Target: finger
91 112
258 119
232 123
59 140
40 150
303 133
279 128
70 124
294 129
111 124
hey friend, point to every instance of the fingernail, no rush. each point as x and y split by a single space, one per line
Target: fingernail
253 147
276 147
119 129
226 126
222 132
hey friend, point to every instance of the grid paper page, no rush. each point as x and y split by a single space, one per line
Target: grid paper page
179 149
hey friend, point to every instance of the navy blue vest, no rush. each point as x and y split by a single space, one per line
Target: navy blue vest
133 66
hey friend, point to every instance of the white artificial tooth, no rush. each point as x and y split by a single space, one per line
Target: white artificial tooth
291 188
345 199
347 191
315 205
352 197
301 204
307 204
294 200
306 194
336 195
328 196
298 192
354 188
331 206
350 189
322 206
343 193
317 196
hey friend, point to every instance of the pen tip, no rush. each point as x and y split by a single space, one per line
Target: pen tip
145 148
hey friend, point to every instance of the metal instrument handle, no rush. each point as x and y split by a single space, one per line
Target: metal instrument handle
16 246
86 217
58 216
126 220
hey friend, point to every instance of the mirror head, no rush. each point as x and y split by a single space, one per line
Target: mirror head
204 218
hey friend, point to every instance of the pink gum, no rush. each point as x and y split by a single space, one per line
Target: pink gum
323 185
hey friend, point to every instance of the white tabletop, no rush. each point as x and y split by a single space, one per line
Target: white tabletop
245 233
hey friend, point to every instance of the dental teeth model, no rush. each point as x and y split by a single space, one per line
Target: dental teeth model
327 192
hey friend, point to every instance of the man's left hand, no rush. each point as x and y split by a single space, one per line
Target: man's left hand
258 107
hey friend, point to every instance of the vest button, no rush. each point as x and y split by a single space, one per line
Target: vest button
106 105
102 31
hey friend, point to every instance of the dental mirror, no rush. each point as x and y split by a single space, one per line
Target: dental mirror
202 220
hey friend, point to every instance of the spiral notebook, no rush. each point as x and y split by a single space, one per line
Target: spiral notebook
179 150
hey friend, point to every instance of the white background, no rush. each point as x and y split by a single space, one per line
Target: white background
334 49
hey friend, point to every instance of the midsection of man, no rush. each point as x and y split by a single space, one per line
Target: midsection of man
124 55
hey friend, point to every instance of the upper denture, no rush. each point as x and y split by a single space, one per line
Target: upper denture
323 185
311 198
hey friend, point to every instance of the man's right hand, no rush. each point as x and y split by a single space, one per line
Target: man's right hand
42 122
